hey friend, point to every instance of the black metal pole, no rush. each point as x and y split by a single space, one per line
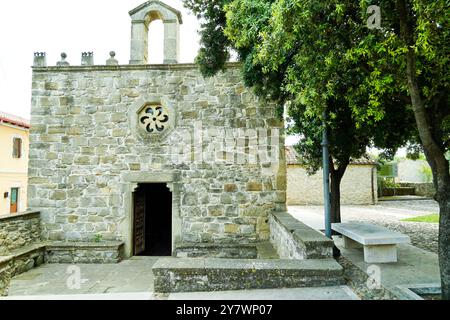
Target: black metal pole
326 177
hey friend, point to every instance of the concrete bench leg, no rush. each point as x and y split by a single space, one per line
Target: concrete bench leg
380 253
351 244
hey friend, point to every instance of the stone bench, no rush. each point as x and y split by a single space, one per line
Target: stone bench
19 261
84 252
380 244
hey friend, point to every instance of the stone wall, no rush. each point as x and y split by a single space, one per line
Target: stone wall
5 275
18 230
86 140
73 252
358 186
412 171
421 189
20 247
295 240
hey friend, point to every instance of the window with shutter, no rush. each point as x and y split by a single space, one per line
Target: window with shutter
17 148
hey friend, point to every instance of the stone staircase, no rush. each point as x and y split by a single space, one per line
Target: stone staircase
306 261
212 274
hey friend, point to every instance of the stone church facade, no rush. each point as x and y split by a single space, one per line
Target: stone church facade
154 156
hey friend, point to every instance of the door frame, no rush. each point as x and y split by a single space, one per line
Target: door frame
17 199
131 183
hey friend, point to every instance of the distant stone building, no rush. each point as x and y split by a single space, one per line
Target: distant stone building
358 186
14 141
154 156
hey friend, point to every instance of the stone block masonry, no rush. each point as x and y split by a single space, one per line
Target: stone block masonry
87 139
295 240
18 230
20 247
190 275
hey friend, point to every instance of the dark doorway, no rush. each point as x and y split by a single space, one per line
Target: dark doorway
152 220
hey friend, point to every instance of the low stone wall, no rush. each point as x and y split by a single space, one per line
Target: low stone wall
84 252
401 191
190 275
295 240
20 246
421 189
19 261
18 230
5 275
27 258
358 186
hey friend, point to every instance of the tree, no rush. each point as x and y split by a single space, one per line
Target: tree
412 47
314 53
272 69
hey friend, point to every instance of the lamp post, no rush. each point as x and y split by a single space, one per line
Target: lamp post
326 176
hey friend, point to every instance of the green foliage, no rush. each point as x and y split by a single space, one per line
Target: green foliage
300 54
386 53
98 237
432 218
427 173
214 45
388 183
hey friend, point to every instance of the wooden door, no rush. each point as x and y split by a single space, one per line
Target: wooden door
14 200
139 222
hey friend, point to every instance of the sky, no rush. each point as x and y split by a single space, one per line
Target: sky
73 26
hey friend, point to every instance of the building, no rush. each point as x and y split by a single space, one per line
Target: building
155 156
358 186
14 143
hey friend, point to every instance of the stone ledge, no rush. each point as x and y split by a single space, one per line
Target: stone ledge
127 67
17 253
20 261
309 243
22 215
84 252
203 250
188 275
66 245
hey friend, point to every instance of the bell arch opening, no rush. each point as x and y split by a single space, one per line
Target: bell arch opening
142 17
155 42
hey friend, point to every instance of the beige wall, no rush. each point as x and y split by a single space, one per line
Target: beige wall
13 172
356 186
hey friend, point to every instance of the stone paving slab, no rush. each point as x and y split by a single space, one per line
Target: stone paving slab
128 276
323 293
414 267
133 280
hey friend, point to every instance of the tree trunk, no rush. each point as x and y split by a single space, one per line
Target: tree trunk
335 186
434 153
444 245
335 197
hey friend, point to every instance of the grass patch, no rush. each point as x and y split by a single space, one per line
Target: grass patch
432 218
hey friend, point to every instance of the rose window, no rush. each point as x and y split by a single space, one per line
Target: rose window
154 118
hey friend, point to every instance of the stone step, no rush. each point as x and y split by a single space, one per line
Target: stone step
211 274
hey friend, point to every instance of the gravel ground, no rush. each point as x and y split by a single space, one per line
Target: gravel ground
388 214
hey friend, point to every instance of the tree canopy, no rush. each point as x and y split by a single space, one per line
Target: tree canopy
380 87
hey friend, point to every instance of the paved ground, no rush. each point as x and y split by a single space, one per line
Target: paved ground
133 280
324 293
386 213
415 267
129 276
